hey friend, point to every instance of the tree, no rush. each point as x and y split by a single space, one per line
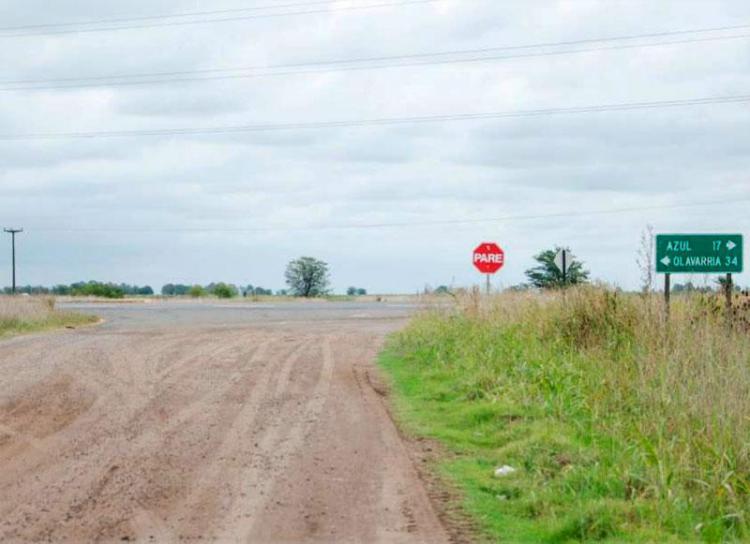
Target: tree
197 291
307 277
96 289
175 289
61 290
546 275
223 290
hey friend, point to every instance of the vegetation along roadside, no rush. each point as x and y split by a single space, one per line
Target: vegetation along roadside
583 415
20 315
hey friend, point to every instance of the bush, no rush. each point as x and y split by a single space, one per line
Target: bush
224 290
97 289
197 291
171 289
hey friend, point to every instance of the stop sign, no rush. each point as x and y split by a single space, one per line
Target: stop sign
489 257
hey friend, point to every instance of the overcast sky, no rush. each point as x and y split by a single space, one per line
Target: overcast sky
237 207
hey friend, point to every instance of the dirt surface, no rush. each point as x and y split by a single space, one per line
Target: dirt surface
208 422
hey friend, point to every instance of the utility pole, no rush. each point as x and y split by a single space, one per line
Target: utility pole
13 233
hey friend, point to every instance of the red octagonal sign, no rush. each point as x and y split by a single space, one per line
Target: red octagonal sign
489 257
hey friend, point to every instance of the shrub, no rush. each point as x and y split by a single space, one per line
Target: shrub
197 291
97 289
224 290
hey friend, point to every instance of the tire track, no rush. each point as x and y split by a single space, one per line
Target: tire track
260 431
243 514
97 462
234 443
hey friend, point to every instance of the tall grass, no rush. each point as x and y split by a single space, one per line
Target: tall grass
651 414
26 314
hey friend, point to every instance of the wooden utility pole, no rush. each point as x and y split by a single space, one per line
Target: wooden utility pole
13 233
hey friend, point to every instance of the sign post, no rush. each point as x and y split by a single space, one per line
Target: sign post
699 254
563 260
488 258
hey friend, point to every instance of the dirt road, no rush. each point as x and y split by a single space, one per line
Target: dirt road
207 423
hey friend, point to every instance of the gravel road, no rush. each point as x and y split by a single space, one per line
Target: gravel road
175 422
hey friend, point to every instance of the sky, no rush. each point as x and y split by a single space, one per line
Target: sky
391 207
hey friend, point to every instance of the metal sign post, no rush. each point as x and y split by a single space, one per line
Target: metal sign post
563 261
729 288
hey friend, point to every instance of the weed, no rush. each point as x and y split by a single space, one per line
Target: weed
29 314
622 425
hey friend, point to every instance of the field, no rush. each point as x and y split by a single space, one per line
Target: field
31 314
618 425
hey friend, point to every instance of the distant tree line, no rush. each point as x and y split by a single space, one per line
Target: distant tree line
689 287
305 277
86 288
219 289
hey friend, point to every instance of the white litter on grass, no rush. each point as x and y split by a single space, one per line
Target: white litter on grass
504 471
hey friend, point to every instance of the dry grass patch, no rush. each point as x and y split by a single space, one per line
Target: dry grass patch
29 314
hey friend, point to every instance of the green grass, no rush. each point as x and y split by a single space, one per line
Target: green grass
621 428
28 315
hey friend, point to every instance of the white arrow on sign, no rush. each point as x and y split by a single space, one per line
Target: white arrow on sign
731 245
666 261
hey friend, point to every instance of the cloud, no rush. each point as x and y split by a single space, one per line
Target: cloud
286 186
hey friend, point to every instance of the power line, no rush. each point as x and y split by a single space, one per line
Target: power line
384 121
419 59
12 32
404 224
411 56
167 16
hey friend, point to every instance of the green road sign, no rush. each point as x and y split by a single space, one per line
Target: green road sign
698 253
